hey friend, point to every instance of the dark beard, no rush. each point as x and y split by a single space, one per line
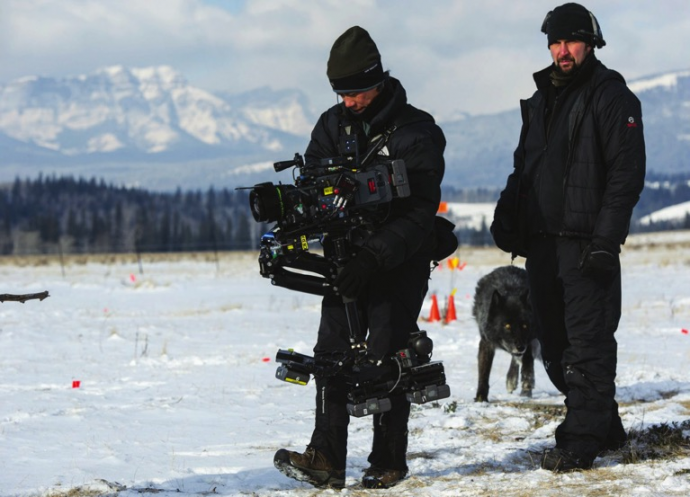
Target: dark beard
560 78
569 72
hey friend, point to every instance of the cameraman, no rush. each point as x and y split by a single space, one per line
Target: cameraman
388 274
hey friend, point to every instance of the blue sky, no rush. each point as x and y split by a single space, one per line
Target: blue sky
453 56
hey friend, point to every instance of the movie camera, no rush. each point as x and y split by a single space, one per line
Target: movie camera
332 198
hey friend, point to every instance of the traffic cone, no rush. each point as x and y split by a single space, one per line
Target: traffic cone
450 313
434 315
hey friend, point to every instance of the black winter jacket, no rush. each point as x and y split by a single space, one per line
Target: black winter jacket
409 227
586 187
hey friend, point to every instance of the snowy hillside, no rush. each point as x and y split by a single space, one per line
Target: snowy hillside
469 215
472 215
157 378
666 114
669 81
677 213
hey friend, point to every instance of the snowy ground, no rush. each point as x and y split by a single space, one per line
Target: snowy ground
176 391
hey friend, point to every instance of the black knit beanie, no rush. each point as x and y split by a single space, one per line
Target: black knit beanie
354 64
571 21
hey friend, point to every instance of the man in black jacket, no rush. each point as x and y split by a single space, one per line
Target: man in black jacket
578 172
388 273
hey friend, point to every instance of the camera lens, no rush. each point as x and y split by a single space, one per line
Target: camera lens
264 202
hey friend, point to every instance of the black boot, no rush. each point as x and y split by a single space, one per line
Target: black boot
382 478
311 467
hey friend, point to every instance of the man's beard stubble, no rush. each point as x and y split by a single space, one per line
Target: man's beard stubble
573 69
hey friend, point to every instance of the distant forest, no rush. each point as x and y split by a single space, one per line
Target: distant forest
65 215
51 215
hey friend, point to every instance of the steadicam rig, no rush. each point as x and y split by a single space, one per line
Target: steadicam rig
410 372
329 200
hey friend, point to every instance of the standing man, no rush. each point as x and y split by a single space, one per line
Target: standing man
579 171
389 271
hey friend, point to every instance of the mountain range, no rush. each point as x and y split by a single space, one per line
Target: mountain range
148 127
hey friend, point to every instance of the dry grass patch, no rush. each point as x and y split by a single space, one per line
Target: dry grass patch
76 492
542 414
657 442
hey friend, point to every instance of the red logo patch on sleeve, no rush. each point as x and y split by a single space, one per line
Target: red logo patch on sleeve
631 122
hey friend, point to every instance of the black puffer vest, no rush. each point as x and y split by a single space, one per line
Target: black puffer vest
582 172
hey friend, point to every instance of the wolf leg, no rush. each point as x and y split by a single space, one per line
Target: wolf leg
513 372
485 360
527 373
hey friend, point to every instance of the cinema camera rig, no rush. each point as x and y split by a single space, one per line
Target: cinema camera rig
330 199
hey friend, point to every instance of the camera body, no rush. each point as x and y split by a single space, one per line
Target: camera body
331 197
325 192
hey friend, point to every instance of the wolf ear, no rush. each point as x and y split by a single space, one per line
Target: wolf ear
496 298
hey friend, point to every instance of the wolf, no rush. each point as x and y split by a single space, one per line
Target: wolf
504 316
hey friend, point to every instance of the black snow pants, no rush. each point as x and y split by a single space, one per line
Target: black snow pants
389 310
576 317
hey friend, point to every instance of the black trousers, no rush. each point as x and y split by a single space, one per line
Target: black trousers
388 310
576 317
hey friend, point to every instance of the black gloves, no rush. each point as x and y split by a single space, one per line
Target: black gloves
504 238
356 274
598 259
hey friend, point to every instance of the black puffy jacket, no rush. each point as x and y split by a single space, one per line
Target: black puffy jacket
409 227
581 173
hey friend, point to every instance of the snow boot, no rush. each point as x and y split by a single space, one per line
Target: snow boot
311 467
382 478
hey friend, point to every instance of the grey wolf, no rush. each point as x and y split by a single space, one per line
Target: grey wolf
503 313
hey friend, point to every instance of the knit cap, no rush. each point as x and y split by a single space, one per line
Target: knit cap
572 21
354 64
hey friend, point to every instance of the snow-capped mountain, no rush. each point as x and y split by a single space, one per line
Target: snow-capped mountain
116 120
666 114
149 110
150 127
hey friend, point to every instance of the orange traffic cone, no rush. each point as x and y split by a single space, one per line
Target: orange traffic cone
450 313
434 315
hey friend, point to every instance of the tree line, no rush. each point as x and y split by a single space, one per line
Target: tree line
661 190
51 215
66 215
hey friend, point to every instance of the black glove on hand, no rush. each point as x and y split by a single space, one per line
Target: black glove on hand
505 239
596 260
356 274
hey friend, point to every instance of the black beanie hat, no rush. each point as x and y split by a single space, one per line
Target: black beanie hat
354 64
571 21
